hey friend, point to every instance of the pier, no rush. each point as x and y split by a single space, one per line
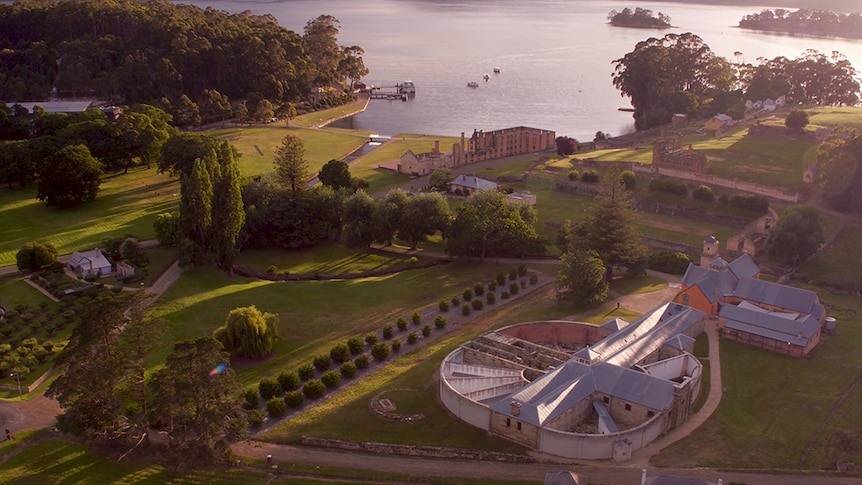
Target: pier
389 96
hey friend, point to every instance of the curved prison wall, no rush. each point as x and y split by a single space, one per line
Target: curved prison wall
598 446
466 409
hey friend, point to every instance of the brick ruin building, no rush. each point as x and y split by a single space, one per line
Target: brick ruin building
668 152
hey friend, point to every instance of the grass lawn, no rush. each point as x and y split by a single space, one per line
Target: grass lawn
15 292
835 116
381 180
832 266
328 259
322 117
635 285
126 204
259 144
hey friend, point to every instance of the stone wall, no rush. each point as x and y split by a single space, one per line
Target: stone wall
415 450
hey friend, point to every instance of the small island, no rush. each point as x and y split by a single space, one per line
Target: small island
806 22
639 18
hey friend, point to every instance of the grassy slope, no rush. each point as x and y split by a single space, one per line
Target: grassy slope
365 167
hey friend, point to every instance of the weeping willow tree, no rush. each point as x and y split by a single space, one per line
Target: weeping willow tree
248 332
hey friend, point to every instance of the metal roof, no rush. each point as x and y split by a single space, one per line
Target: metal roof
744 267
473 182
771 325
615 324
766 292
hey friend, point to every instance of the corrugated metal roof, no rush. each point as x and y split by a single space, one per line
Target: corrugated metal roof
615 324
680 342
787 297
744 267
770 325
605 416
473 182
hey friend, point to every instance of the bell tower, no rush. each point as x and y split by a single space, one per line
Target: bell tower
710 251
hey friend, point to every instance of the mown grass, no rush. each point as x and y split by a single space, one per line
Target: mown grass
834 266
126 204
326 259
835 116
15 292
322 117
635 285
381 180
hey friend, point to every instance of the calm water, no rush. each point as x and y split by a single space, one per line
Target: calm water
554 56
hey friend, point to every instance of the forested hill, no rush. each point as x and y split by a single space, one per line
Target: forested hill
146 51
847 6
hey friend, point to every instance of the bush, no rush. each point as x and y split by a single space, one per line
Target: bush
412 338
440 322
671 262
396 345
416 318
490 298
590 176
668 185
331 379
355 345
493 285
444 306
573 175
269 388
313 389
465 309
467 294
426 330
371 338
380 351
305 371
361 362
322 362
522 270
513 274
289 381
513 288
629 179
402 324
252 399
704 193
340 353
751 202
388 331
294 399
276 407
348 369
255 417
478 305
479 289
504 295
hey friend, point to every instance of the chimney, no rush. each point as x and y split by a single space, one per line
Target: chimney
436 146
515 407
690 149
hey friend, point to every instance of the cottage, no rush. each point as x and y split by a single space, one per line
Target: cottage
87 263
718 122
424 163
524 198
469 184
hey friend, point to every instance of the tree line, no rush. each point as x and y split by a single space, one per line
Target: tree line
190 61
806 21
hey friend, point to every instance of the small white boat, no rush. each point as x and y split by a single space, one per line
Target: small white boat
486 77
496 70
472 84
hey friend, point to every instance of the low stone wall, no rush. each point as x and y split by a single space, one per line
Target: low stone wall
416 450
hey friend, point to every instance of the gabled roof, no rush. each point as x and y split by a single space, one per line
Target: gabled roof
774 294
85 258
615 324
473 182
744 267
770 324
680 342
561 478
714 284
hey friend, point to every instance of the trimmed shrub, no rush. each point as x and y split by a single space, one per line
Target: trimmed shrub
490 298
371 338
252 399
573 175
704 193
513 274
289 381
313 389
294 399
255 417
348 369
331 379
668 185
493 285
501 279
269 388
504 295
479 289
477 304
513 288
361 362
380 351
416 318
402 324
305 371
465 309
629 179
340 353
751 202
467 294
426 330
590 176
412 338
388 331
672 262
322 362
440 322
356 345
276 407
396 345
522 270
444 306
455 301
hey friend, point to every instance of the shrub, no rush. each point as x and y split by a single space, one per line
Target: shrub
513 274
467 294
380 351
444 306
479 289
590 176
396 345
276 407
751 202
252 399
305 371
465 309
412 338
330 379
294 399
313 389
478 305
388 331
504 295
704 193
401 323
501 279
361 362
490 298
416 318
573 175
269 388
493 285
668 185
426 330
289 381
255 417
629 179
355 345
672 262
522 270
513 288
371 338
340 353
322 362
348 369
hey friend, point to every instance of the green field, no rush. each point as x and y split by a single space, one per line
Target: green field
835 267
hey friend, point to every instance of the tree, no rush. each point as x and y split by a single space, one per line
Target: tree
248 332
228 213
582 278
34 256
321 43
610 229
17 164
796 120
387 216
838 166
131 251
189 254
186 112
180 151
291 166
796 236
199 402
142 130
196 194
358 217
213 106
335 174
69 177
423 215
440 178
566 146
488 225
167 227
351 66
263 112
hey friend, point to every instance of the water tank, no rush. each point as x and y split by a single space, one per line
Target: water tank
829 324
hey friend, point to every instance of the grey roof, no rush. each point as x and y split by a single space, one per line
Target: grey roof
744 267
561 478
770 325
57 106
668 480
86 258
473 182
605 416
718 263
633 386
680 342
711 239
615 324
774 294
